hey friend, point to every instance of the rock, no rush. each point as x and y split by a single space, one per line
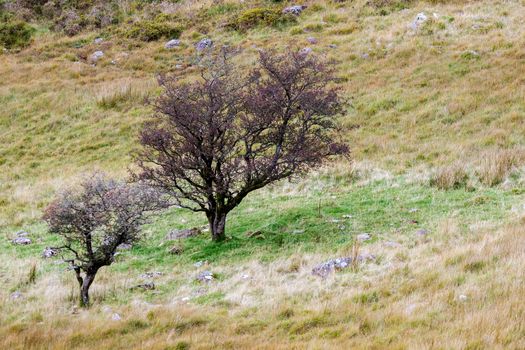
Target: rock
305 51
413 210
199 263
124 246
297 232
245 276
418 21
106 309
176 250
205 276
179 66
363 237
22 241
294 10
116 317
49 252
332 46
185 299
22 234
365 56
312 40
186 233
172 44
16 295
422 232
150 275
463 298
96 56
391 244
204 44
98 41
146 286
324 269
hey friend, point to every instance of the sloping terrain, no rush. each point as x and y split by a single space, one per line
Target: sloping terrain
435 123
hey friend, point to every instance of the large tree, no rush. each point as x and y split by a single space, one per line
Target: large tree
216 139
95 219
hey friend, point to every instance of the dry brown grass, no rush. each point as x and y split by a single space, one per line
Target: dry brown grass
448 292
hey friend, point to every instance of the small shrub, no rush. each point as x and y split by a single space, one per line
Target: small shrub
153 30
15 34
261 16
449 177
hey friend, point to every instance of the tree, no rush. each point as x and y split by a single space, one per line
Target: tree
95 219
215 140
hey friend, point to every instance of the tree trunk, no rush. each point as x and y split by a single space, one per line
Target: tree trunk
217 226
84 289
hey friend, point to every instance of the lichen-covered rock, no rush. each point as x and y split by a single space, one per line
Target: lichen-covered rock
295 10
205 276
326 268
22 241
204 44
172 44
49 252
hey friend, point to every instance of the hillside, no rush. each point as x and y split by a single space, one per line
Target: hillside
435 124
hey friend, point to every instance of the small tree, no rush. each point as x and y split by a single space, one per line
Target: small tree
215 140
95 220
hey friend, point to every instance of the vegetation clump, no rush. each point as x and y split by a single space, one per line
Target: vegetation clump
14 33
261 16
152 30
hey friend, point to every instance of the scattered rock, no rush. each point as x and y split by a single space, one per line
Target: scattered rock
365 56
463 298
16 295
124 246
204 44
422 232
305 51
391 244
98 41
245 276
96 56
146 286
295 10
418 21
186 233
49 252
332 46
179 66
347 216
199 263
312 40
22 241
413 210
172 44
338 264
106 309
205 276
176 250
150 275
116 317
363 237
410 309
297 232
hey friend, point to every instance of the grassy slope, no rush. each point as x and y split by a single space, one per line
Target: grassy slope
418 100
